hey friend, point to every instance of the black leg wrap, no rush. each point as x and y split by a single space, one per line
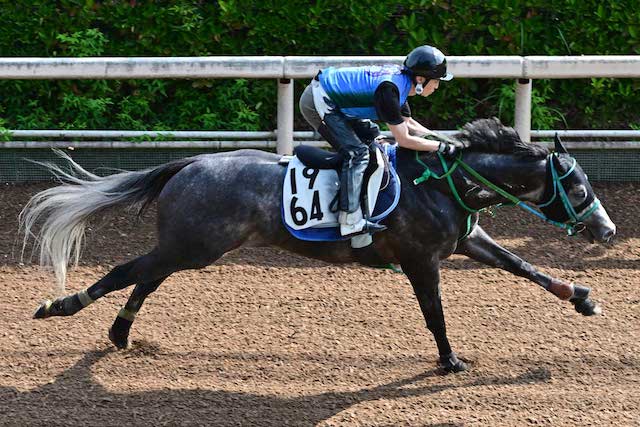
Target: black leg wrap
71 305
580 292
119 332
451 363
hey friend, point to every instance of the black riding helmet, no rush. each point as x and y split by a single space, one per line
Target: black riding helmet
428 62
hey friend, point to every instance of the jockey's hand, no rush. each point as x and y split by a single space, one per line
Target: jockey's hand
447 150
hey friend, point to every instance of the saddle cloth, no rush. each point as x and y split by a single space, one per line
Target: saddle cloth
309 196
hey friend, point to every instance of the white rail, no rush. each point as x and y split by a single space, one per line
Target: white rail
101 134
268 140
268 67
142 134
260 144
287 68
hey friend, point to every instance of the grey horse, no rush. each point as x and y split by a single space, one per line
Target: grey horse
210 204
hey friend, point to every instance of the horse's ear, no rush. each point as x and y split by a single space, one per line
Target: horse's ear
559 148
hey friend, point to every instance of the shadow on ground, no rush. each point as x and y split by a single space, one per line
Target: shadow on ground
75 398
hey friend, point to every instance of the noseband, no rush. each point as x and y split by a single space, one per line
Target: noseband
558 207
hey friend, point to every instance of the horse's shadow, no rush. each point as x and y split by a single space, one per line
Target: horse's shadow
76 398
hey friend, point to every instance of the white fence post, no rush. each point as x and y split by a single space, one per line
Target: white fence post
284 133
523 109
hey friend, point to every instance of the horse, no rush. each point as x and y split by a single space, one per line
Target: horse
210 204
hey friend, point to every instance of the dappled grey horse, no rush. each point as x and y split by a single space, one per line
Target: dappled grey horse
213 203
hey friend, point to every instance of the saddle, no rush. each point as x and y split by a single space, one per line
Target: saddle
311 186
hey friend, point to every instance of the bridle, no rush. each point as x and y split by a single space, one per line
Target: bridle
569 218
559 206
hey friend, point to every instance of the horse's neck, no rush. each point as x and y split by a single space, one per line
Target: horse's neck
523 178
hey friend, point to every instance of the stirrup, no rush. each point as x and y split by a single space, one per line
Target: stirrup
369 228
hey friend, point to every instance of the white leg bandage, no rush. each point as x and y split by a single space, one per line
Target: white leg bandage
127 314
84 298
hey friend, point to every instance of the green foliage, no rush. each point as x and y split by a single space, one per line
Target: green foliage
83 43
81 28
542 115
5 135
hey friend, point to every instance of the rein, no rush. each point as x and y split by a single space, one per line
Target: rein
570 226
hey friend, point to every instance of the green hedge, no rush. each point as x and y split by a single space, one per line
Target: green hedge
321 27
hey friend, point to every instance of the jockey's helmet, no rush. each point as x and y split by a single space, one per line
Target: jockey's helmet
427 61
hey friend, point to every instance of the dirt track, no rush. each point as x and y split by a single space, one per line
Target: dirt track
268 338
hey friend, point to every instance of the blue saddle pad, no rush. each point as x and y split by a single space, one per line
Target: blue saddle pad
386 202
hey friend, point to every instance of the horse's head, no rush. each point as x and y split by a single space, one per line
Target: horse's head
568 198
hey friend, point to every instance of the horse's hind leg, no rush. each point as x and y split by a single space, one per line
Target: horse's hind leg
119 331
144 269
480 247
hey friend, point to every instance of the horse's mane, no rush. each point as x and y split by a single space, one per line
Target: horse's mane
491 136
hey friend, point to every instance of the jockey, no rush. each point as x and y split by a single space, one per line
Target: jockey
340 103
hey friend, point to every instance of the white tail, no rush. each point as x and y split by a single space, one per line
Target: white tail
66 208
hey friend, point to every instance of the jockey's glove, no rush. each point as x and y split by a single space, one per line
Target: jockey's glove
447 150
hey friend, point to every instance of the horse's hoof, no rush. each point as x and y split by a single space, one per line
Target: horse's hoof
586 306
458 366
451 364
43 311
119 340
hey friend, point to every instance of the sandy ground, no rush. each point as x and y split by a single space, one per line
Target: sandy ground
268 338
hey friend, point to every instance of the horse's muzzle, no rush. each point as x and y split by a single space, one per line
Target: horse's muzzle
598 227
608 235
598 234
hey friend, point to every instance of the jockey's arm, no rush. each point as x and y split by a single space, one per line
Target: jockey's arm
416 128
404 138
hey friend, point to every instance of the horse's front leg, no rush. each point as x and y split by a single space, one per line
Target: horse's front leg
480 247
425 279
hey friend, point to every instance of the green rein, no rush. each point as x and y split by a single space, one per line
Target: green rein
515 201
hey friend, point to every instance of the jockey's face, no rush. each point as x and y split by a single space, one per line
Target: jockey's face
429 86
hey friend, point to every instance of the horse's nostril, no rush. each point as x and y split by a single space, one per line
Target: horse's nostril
608 235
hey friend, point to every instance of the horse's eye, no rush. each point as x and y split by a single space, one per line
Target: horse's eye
579 192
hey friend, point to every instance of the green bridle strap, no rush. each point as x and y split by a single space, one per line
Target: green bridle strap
513 199
573 215
555 178
452 186
516 201
428 173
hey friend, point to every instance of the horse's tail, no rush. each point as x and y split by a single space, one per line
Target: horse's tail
65 209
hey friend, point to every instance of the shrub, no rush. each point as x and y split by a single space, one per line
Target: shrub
295 27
